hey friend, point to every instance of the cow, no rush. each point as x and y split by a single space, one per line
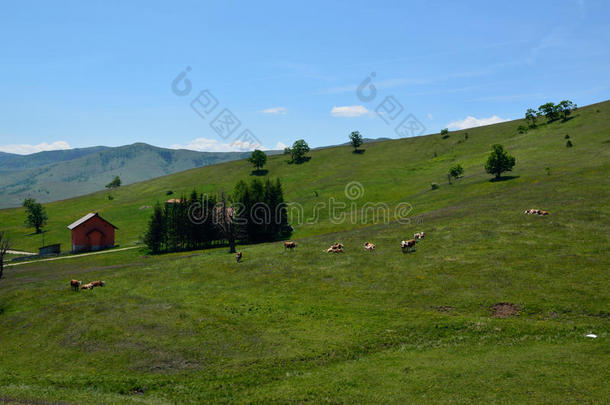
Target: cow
238 257
75 284
289 245
369 246
87 286
532 211
98 283
418 236
407 245
335 248
542 212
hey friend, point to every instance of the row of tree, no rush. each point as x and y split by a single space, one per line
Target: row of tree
255 212
551 111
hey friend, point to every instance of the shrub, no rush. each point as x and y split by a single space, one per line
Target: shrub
169 192
522 129
567 136
569 144
110 197
433 186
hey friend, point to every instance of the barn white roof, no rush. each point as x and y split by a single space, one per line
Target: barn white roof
85 219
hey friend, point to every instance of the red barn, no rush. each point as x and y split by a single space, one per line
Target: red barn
92 232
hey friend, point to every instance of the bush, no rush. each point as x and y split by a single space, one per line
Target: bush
567 136
569 144
433 186
169 192
110 197
456 171
522 129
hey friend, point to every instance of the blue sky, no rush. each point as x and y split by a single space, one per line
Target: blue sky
76 74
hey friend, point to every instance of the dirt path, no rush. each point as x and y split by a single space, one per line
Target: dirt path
72 256
19 252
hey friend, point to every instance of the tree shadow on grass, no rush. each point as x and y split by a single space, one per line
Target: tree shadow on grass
34 233
503 178
359 151
260 172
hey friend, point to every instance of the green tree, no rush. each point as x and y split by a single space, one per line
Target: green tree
258 159
456 171
549 110
445 133
499 161
356 140
565 108
5 245
298 151
116 182
155 235
36 214
531 116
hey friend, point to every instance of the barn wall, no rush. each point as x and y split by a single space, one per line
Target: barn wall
80 239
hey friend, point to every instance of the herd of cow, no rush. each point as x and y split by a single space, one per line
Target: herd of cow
77 285
405 245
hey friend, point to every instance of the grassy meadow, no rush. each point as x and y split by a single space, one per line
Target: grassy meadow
358 327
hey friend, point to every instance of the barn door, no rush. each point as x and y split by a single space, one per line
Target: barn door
96 240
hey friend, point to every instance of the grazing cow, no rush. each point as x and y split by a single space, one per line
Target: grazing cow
407 245
98 283
75 284
369 246
418 236
290 245
87 286
238 257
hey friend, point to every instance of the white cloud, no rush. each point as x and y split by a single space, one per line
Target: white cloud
470 122
280 146
213 145
274 110
26 149
349 111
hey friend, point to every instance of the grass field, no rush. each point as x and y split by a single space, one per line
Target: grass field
359 327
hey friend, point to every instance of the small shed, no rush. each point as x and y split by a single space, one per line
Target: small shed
92 232
49 250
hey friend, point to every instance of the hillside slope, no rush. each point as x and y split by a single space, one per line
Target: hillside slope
57 175
390 172
361 327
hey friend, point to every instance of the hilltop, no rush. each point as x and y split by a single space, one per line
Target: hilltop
57 175
390 172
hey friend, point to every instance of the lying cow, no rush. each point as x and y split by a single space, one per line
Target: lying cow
532 211
290 245
75 284
98 283
335 248
418 236
369 246
88 286
542 212
238 256
407 245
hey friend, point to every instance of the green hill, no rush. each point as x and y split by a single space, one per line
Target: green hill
57 175
358 327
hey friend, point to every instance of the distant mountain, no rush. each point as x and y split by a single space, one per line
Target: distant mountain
57 175
13 161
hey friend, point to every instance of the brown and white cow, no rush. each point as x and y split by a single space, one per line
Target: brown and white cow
88 286
238 256
369 246
418 236
75 284
542 212
290 245
335 248
407 245
98 283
